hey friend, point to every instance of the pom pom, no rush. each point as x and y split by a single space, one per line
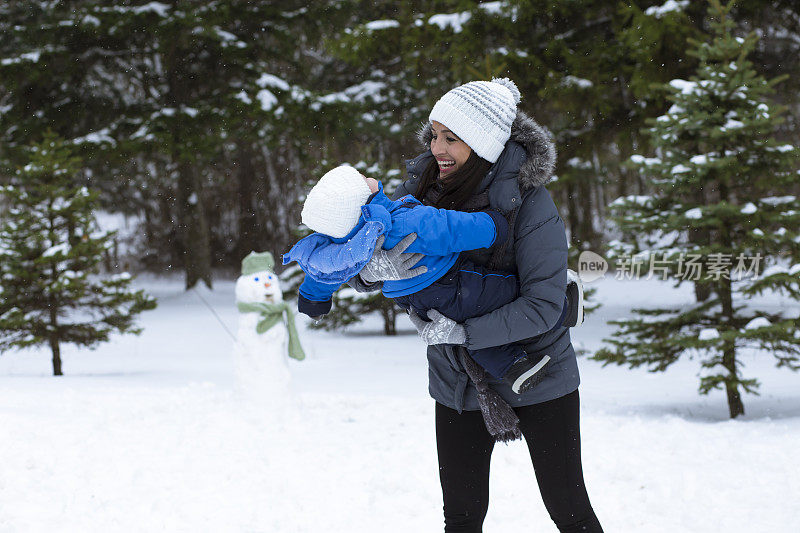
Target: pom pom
511 86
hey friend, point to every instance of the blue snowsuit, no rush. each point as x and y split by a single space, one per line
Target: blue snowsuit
455 287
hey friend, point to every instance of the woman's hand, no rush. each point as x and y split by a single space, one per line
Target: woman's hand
393 264
440 329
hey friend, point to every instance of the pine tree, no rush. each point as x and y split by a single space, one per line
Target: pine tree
194 117
719 213
50 251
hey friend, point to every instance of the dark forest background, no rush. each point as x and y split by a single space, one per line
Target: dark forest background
204 122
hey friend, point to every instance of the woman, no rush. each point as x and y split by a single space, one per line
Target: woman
485 154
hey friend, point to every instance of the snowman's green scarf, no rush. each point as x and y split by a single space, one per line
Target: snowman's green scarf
271 315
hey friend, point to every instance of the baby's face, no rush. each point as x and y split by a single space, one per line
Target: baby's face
372 183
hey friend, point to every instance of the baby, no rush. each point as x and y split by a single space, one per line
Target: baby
349 212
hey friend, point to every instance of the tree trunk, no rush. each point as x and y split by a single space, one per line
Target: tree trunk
389 315
56 349
586 235
600 186
702 291
193 227
724 289
279 193
246 192
572 215
735 405
701 236
52 305
193 232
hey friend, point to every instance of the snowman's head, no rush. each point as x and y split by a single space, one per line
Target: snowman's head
259 287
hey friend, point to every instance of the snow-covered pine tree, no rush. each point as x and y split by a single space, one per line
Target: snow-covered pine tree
719 205
351 307
50 251
196 118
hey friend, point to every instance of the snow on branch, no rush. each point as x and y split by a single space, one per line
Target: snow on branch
669 6
455 21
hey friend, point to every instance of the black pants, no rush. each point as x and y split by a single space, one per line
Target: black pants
551 430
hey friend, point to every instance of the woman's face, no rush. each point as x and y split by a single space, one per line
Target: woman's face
450 151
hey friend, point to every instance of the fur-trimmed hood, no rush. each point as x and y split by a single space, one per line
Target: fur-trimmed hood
537 168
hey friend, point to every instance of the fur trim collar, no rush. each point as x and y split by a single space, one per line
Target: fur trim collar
538 167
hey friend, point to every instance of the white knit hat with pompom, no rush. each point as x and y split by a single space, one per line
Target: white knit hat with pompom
333 205
480 113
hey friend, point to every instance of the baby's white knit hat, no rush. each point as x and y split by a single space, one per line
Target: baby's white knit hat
333 205
480 113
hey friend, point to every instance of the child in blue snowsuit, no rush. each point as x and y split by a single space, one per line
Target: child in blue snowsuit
349 219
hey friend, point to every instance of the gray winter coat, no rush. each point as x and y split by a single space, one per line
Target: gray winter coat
538 257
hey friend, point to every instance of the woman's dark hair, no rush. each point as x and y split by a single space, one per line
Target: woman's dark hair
457 188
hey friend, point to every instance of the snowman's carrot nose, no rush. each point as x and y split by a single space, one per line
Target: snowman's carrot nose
267 284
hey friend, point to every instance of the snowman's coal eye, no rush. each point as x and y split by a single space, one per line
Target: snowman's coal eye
255 279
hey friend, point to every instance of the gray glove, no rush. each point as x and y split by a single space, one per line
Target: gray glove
440 330
394 264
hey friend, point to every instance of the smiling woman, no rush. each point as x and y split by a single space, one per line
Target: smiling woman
485 154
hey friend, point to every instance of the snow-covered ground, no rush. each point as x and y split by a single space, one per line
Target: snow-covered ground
150 434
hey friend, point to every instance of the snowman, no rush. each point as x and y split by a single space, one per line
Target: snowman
266 331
